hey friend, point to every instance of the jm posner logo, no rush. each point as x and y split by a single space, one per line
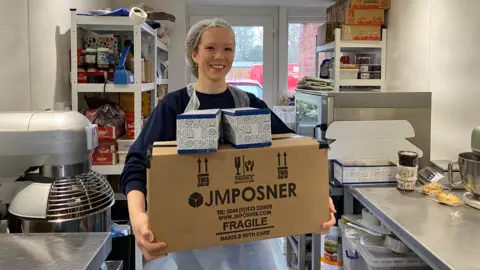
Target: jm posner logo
246 194
195 200
244 170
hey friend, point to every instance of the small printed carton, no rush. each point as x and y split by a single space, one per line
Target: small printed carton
198 131
247 127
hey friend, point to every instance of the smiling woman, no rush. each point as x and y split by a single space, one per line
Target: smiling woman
215 53
210 52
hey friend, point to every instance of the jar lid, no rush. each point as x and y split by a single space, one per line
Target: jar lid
103 49
91 50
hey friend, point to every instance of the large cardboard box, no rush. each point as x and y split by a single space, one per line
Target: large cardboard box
361 32
338 11
364 16
237 195
326 32
364 4
331 13
127 102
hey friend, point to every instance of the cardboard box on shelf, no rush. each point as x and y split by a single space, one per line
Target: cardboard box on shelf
104 158
124 143
198 131
364 16
361 32
331 13
128 105
364 4
247 127
106 146
237 195
326 32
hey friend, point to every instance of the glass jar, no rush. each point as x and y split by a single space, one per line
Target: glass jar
103 58
91 58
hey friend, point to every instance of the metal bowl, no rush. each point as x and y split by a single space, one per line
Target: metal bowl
469 165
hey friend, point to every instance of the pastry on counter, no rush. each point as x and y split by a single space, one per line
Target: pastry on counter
448 198
432 188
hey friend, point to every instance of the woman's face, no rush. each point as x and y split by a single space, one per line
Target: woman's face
215 53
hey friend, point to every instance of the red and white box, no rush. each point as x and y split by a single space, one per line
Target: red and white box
107 146
104 158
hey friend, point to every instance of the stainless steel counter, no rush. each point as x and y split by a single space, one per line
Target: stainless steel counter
445 237
54 251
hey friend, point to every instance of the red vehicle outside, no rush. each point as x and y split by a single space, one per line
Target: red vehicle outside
256 73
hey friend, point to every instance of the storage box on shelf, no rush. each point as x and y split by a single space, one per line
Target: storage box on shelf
106 30
339 46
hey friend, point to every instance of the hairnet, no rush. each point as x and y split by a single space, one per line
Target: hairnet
194 35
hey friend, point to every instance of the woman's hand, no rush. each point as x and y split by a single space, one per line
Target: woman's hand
327 225
145 238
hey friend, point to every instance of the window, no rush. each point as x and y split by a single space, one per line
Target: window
301 52
247 69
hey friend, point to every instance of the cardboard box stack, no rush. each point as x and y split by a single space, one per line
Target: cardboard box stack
255 186
359 20
234 196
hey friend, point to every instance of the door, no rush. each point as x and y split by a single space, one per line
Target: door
253 67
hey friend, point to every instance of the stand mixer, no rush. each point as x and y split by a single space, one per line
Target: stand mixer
46 179
469 168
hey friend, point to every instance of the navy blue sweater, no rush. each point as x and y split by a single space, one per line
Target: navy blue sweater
161 126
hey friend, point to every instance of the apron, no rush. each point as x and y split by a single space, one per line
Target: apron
240 98
247 256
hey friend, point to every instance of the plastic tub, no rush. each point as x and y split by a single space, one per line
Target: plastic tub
349 74
357 257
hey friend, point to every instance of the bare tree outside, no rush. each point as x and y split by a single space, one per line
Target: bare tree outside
249 44
294 36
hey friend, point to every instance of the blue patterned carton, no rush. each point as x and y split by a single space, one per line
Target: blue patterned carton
198 131
247 127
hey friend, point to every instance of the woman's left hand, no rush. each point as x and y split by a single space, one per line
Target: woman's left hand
327 225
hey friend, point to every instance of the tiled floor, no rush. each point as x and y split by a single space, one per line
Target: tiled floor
263 255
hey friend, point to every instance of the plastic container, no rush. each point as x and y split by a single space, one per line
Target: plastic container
90 59
331 253
349 74
103 58
364 68
358 257
364 75
286 113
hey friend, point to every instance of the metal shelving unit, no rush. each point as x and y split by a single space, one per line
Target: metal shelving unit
116 25
339 46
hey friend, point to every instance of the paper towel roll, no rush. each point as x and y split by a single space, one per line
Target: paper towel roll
137 15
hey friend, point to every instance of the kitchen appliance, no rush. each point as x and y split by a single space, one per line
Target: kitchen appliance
317 110
45 173
469 167
476 141
437 172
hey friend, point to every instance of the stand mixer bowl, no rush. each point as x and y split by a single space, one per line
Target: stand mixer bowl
469 167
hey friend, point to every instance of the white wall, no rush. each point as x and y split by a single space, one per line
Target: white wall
176 55
14 56
49 33
433 46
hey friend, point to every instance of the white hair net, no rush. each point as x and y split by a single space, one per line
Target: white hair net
194 35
